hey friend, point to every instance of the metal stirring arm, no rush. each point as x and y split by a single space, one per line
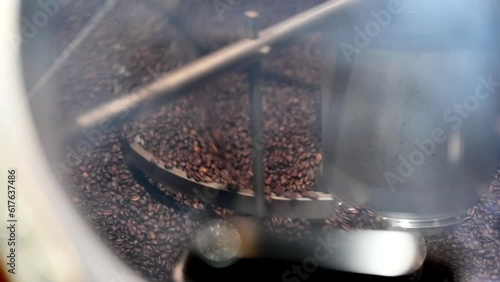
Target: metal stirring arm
385 254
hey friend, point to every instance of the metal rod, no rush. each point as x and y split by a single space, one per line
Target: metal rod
256 123
176 82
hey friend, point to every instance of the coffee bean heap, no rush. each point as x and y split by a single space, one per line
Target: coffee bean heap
148 235
354 218
211 140
207 135
288 229
120 56
473 248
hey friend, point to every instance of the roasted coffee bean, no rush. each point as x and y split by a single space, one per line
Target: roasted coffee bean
107 212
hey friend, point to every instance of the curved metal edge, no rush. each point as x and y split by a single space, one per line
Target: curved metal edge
218 194
428 226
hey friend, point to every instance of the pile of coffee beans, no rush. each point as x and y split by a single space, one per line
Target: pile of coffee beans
472 250
211 140
145 233
132 46
206 134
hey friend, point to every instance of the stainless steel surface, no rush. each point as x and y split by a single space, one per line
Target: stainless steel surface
370 252
409 129
251 24
375 252
176 82
256 116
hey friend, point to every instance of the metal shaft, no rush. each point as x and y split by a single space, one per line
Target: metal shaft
175 83
256 123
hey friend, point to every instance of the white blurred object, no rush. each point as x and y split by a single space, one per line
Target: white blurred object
54 243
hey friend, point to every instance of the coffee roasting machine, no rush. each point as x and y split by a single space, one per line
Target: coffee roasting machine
406 112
